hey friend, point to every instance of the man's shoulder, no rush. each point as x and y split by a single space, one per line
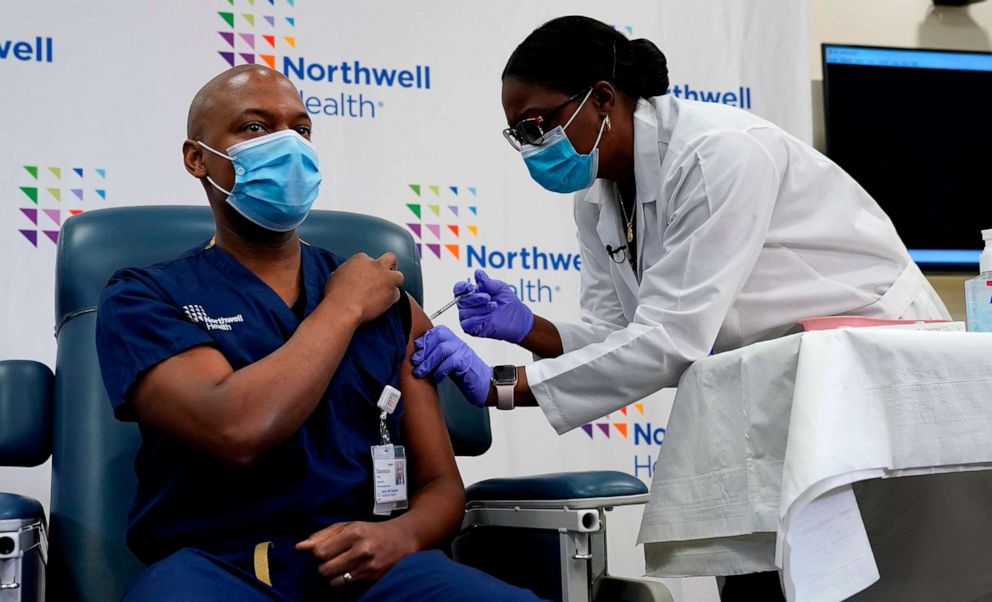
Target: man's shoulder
324 257
156 277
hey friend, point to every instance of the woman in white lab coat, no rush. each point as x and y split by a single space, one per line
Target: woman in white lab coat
701 227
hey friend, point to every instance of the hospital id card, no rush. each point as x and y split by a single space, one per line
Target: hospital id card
389 477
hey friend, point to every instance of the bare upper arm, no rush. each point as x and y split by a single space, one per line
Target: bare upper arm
423 423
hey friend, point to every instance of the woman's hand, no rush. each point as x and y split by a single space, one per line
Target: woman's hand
442 353
493 311
365 551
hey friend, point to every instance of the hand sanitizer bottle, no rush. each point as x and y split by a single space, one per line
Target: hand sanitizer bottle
978 291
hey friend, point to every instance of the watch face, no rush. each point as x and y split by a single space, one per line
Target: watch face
505 374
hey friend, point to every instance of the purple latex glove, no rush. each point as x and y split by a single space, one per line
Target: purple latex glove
439 351
493 311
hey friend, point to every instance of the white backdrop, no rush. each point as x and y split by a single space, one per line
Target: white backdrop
95 95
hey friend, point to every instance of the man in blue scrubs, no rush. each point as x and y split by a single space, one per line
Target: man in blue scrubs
253 364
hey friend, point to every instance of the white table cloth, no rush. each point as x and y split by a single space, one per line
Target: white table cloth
767 445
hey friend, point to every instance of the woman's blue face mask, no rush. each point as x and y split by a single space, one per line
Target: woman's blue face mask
556 165
276 179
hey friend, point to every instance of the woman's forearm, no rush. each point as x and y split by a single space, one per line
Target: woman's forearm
543 339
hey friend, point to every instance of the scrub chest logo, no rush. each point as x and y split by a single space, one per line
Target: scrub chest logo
629 427
264 32
50 194
446 228
198 315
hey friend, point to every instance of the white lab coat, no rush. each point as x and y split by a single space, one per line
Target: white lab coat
742 231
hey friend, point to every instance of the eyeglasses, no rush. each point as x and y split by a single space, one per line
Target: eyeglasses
531 130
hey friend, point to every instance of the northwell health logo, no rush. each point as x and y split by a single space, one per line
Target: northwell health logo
630 427
253 34
39 49
446 228
264 32
50 194
444 218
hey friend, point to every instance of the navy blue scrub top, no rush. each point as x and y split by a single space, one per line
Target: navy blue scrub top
320 476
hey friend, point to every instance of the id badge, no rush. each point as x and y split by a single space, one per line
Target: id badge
390 478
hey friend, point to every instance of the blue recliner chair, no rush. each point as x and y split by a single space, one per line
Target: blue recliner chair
545 532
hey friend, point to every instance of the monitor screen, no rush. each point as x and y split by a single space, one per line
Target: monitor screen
914 127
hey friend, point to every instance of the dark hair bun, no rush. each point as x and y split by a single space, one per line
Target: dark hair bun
650 73
570 54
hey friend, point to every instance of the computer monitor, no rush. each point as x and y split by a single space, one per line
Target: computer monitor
914 127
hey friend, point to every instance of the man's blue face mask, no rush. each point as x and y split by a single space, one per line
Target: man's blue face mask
556 165
276 179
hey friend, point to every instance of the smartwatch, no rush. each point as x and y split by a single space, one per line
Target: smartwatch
504 379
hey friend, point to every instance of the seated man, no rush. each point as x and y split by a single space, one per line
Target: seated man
253 365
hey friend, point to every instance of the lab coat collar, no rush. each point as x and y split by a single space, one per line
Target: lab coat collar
647 156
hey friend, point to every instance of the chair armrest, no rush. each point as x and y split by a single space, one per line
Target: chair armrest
22 527
19 507
26 412
574 501
588 489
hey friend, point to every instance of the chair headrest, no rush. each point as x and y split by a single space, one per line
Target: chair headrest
95 244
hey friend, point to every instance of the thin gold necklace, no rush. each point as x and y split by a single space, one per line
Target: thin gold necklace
630 222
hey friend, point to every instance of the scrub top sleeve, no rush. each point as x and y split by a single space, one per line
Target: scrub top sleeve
406 313
717 225
601 311
135 330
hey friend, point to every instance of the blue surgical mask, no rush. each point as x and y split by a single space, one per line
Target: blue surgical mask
276 179
556 165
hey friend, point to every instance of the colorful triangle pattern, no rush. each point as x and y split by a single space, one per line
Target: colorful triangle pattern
33 170
31 192
32 214
55 215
